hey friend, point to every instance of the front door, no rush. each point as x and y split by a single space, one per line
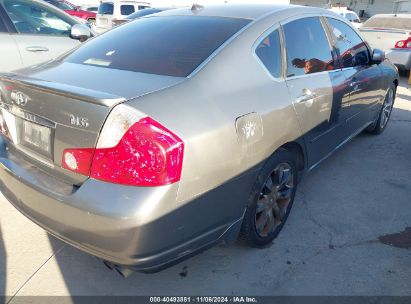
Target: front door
364 78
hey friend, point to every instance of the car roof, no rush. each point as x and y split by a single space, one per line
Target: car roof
241 11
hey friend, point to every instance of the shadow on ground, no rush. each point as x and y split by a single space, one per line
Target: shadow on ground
330 245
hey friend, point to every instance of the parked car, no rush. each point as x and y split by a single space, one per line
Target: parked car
391 33
109 11
34 31
93 9
141 13
74 10
145 151
349 15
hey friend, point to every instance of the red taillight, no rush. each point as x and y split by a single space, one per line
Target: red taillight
403 44
148 154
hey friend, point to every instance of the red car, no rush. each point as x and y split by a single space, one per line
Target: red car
73 10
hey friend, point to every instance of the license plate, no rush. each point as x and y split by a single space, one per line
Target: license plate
37 136
103 21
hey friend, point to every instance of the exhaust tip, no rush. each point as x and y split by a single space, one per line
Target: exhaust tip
109 265
124 272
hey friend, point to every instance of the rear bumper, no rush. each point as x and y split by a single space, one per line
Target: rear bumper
140 228
401 58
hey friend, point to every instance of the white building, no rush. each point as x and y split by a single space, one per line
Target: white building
369 7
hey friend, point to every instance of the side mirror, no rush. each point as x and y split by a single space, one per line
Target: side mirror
80 32
378 56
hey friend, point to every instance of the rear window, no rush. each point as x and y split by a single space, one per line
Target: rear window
389 22
127 9
172 45
106 8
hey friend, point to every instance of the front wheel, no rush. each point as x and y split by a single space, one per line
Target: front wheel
270 200
385 112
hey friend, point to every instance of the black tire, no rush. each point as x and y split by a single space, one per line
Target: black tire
281 161
385 113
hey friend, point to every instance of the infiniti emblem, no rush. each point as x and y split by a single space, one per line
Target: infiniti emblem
19 98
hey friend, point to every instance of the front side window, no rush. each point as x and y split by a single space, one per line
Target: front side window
126 9
351 48
307 47
269 52
34 18
172 45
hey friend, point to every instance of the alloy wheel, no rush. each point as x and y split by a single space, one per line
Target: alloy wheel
387 109
274 200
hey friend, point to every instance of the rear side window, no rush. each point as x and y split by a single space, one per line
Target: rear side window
269 52
106 8
127 9
141 7
307 47
172 45
352 51
399 23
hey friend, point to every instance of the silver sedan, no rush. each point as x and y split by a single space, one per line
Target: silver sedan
186 128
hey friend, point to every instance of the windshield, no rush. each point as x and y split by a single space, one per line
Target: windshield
400 23
106 8
63 5
172 45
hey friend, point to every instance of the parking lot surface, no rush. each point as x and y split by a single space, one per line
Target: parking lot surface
347 235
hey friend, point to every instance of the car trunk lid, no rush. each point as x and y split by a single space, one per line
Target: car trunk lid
49 112
384 39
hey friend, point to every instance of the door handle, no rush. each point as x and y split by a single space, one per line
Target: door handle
307 96
36 49
355 84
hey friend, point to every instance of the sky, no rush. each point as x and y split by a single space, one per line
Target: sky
185 2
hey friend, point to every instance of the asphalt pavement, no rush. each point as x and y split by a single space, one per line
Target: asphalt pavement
348 234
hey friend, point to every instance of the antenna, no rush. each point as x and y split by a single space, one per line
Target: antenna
196 7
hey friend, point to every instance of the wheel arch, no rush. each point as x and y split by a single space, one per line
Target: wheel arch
396 83
298 148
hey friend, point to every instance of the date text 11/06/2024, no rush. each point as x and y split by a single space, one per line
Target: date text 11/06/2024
203 300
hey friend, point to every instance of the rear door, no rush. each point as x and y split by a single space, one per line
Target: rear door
317 86
9 52
42 33
364 78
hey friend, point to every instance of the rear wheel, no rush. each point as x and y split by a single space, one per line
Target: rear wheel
270 200
385 112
